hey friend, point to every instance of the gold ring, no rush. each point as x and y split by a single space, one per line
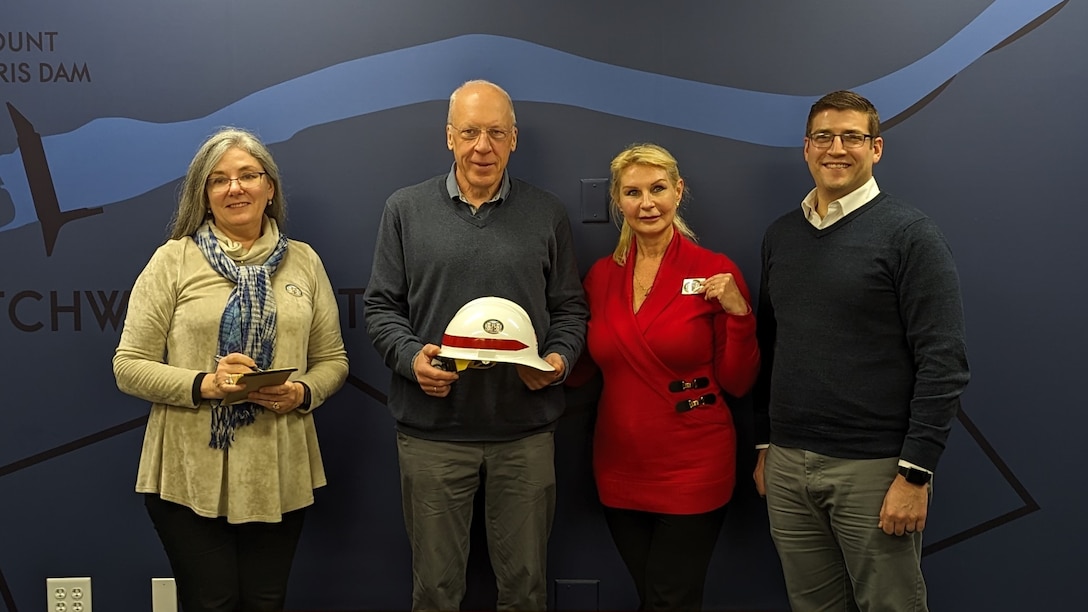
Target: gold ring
436 389
275 405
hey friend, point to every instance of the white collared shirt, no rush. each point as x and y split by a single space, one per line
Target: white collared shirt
841 207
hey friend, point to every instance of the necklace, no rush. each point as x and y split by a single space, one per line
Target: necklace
648 264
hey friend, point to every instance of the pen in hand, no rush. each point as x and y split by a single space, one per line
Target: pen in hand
219 358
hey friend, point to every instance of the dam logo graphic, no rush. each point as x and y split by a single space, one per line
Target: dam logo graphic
40 181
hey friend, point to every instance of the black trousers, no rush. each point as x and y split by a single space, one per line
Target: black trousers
220 567
666 554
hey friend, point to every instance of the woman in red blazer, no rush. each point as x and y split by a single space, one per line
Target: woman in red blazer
671 330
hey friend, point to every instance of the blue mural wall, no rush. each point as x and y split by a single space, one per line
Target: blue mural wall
104 104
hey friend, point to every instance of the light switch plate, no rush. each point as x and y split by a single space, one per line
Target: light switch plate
164 595
595 200
581 595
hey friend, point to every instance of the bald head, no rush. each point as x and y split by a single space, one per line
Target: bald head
480 87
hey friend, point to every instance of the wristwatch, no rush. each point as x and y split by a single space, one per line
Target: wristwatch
914 475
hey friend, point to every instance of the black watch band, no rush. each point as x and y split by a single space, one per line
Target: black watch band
914 475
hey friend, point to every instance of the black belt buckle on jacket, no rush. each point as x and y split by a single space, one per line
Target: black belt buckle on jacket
703 400
677 386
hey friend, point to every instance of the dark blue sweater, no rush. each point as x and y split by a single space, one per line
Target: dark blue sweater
862 335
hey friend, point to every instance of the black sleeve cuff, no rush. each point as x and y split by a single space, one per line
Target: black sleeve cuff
196 388
306 399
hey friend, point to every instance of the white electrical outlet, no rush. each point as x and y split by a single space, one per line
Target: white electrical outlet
164 595
68 594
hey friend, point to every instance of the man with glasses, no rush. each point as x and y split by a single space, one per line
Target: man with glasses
862 335
470 233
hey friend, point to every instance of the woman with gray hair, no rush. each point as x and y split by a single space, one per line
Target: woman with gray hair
227 485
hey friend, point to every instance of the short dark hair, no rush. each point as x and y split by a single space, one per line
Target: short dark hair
845 100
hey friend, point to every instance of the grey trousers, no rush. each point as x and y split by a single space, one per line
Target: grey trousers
438 483
824 513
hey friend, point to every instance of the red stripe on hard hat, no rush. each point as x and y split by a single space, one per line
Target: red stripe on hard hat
482 343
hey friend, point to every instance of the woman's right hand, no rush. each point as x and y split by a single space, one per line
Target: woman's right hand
217 384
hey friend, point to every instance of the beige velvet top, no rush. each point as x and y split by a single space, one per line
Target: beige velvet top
171 335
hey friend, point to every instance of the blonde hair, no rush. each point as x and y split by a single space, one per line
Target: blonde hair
644 154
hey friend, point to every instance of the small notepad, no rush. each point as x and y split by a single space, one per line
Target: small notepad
256 380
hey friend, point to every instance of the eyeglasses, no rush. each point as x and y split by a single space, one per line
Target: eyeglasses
249 180
850 140
471 134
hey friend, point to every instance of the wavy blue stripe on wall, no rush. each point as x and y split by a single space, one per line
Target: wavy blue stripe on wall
113 159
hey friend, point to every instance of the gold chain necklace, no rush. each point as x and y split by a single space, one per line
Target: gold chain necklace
648 261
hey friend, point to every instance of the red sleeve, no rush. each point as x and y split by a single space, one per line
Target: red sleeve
585 368
736 351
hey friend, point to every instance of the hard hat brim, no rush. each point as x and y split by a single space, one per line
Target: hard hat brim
531 360
535 362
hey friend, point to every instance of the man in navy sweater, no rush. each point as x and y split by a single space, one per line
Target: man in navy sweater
862 335
469 233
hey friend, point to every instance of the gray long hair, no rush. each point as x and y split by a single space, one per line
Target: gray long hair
193 204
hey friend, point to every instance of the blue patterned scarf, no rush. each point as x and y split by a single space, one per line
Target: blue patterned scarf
248 325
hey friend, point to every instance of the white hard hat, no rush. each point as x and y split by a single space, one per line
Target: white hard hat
492 329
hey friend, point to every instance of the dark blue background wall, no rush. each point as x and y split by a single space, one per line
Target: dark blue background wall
984 103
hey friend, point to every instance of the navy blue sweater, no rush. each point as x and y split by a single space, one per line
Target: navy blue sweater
862 335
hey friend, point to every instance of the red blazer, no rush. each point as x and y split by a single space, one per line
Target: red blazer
647 456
